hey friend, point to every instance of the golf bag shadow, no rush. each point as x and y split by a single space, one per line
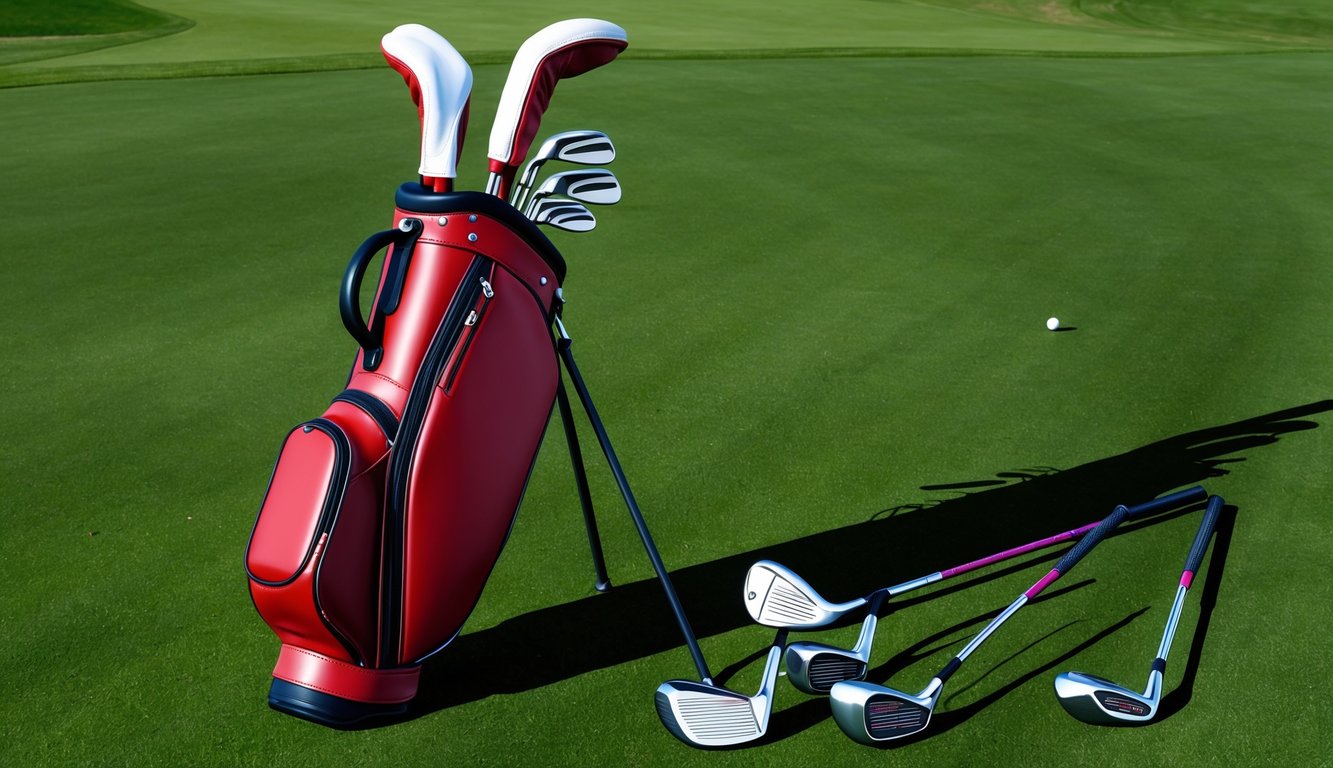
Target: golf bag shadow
384 516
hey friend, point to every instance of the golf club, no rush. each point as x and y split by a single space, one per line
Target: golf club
581 147
562 50
816 667
597 186
564 214
871 713
1102 702
776 597
708 715
440 82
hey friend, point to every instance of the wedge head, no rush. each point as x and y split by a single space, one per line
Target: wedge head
776 597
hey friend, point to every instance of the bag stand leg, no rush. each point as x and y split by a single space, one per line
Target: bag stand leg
603 583
563 345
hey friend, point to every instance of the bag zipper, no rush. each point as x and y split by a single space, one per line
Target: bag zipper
442 347
469 331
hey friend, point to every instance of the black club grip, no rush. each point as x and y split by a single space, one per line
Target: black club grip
1210 515
1170 501
1085 544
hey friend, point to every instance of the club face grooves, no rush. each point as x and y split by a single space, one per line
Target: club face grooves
707 716
889 717
827 669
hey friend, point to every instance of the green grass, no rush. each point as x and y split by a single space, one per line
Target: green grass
814 328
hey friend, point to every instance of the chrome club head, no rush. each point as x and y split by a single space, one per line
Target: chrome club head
704 715
597 186
776 597
581 147
564 214
872 714
1102 702
815 667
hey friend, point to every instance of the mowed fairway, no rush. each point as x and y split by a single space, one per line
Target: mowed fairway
814 327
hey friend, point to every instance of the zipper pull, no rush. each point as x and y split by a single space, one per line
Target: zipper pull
486 289
471 319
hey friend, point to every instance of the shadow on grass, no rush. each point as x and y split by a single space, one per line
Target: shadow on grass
633 620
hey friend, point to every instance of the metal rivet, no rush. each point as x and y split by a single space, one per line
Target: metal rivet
405 225
543 281
472 237
444 220
472 217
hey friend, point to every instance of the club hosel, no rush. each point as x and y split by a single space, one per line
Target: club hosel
1154 689
946 673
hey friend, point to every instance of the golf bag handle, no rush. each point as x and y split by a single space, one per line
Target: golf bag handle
1085 544
1210 515
371 337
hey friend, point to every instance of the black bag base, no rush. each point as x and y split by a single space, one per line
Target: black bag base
327 709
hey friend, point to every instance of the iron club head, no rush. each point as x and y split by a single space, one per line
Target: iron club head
564 214
815 667
776 597
872 713
1101 702
705 715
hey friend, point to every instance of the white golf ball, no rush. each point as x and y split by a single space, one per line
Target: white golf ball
1052 323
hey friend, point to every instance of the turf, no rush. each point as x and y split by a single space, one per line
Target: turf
814 327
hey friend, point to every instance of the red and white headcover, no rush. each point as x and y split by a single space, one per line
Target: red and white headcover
441 83
562 50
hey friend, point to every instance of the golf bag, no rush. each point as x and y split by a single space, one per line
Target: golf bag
384 516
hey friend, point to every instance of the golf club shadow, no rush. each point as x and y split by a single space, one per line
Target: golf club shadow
1178 697
632 621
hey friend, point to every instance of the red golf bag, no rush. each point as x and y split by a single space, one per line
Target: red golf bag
385 515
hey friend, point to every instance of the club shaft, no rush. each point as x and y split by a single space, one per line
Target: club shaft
992 626
1192 562
1187 496
1171 621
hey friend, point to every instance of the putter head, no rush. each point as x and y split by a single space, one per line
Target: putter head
1101 702
872 714
704 715
776 597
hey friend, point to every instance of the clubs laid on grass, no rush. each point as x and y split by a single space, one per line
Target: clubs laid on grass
1101 702
707 715
564 214
562 50
871 713
776 596
581 147
815 667
440 82
597 186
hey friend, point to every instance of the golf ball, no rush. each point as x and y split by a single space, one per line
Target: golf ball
1052 323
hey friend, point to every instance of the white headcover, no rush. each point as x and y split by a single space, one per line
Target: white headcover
584 43
441 82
